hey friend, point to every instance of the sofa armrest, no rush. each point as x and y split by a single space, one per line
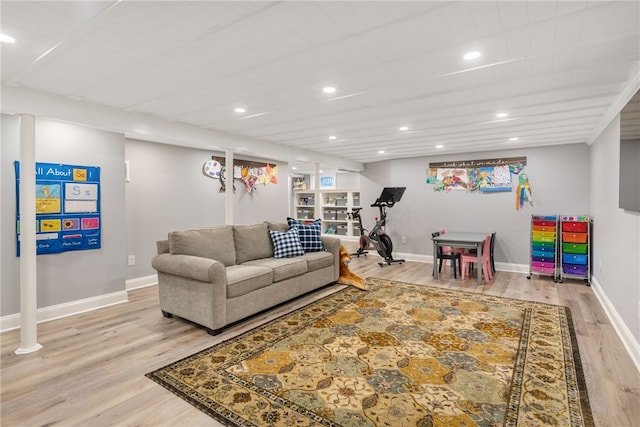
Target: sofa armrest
332 244
191 267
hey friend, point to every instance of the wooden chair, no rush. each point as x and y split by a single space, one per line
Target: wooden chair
467 260
475 252
445 253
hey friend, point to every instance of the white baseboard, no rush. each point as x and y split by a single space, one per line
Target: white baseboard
12 321
500 266
628 340
141 282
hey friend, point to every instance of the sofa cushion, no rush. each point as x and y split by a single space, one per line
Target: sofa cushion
213 243
252 242
242 279
310 234
286 244
318 260
283 268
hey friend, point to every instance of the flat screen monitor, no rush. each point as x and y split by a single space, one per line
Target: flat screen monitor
392 194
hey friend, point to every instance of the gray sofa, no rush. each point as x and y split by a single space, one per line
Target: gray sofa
217 276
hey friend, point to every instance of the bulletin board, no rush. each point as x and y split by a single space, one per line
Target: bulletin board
67 208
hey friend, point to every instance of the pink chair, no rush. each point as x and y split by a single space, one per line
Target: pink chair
467 259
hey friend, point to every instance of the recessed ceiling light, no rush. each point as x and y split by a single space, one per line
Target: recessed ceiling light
403 128
501 115
7 39
380 151
472 55
439 146
294 167
239 110
328 89
515 138
332 137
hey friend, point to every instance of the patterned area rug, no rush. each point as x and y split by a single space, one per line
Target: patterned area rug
396 355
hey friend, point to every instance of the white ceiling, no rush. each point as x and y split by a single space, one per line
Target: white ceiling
554 67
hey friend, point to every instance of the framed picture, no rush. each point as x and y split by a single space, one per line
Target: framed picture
327 182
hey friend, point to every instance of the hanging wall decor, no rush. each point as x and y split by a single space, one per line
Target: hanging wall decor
484 176
250 173
67 208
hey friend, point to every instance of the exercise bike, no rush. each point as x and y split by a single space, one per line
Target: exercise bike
377 236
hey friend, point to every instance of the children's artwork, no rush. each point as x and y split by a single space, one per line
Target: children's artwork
212 169
490 179
451 179
250 173
431 175
523 191
249 177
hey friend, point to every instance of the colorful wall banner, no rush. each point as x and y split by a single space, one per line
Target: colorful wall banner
67 208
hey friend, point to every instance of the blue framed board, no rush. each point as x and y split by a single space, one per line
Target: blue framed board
67 208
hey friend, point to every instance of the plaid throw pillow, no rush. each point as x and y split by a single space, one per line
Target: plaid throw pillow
310 234
287 244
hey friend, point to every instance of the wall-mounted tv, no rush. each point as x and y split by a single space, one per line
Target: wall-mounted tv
629 198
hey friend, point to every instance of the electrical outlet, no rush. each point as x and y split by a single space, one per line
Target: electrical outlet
132 260
403 239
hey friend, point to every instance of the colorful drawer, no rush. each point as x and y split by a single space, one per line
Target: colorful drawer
575 226
547 258
540 247
543 264
543 270
574 237
574 248
547 245
543 228
576 270
574 259
541 234
544 223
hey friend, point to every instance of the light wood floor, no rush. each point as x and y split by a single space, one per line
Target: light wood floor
91 369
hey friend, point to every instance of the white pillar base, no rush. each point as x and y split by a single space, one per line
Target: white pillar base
21 350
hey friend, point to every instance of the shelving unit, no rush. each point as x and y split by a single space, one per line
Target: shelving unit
336 206
304 204
575 259
544 246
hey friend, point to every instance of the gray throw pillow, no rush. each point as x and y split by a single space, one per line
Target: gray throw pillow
213 243
252 242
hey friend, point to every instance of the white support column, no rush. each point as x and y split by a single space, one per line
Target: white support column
28 271
228 195
316 186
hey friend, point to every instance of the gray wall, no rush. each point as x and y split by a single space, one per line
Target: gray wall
168 192
76 275
559 178
616 233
